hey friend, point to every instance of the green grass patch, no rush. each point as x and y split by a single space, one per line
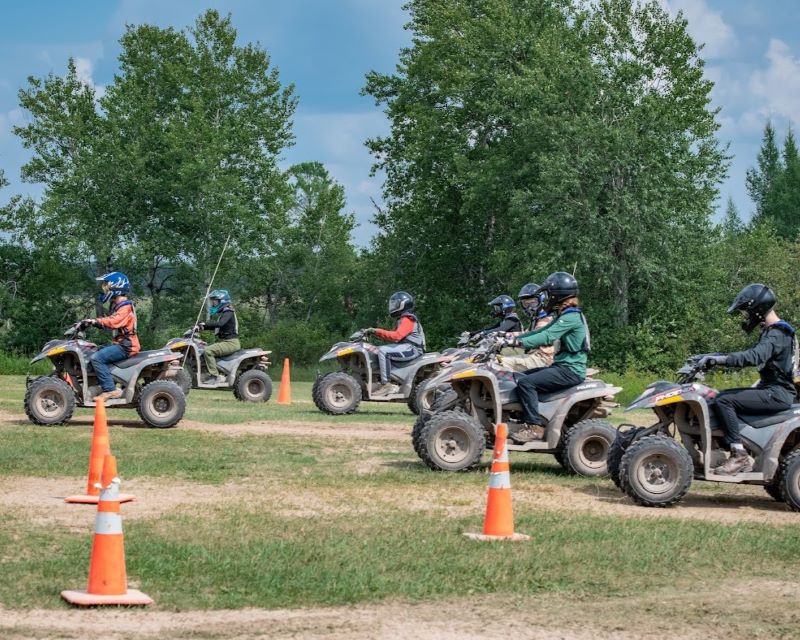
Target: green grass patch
234 558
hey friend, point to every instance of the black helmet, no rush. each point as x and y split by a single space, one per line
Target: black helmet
502 306
399 302
756 301
557 287
530 298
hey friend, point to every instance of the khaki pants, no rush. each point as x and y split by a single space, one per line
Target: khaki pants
218 349
523 361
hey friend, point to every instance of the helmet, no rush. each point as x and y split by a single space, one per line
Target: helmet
530 298
399 302
755 301
218 299
502 306
113 284
556 288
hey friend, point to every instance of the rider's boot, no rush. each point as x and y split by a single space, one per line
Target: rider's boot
386 389
528 433
739 462
109 395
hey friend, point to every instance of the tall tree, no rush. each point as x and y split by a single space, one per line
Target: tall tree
761 178
179 153
732 223
785 193
545 134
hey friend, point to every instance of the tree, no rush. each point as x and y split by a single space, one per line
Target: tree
542 134
760 179
732 224
180 153
785 192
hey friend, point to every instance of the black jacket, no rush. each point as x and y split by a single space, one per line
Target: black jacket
509 323
225 326
773 355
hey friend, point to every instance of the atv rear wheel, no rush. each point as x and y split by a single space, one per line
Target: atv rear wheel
451 441
253 385
49 400
161 404
790 480
586 446
337 393
656 471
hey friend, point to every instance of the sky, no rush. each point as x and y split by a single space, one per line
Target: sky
325 48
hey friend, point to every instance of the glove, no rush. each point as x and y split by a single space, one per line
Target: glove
511 343
709 362
369 331
87 322
200 326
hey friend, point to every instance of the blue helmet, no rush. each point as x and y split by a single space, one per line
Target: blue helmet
502 305
114 284
218 299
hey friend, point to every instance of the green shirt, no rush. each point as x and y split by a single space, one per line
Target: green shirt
568 328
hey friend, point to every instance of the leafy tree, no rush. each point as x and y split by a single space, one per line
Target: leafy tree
179 153
535 135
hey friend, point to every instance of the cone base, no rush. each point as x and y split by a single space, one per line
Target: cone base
86 499
284 402
514 537
132 597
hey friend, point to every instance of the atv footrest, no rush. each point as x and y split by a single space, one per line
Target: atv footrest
752 476
535 445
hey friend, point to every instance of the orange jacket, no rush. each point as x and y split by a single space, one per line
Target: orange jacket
404 327
123 323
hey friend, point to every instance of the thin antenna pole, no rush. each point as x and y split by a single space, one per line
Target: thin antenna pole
574 268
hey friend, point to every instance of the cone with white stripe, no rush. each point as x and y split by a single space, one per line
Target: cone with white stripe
108 583
499 521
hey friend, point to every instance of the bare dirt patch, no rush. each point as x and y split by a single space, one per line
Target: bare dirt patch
764 609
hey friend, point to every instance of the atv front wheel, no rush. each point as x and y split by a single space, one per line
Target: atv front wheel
586 446
619 446
451 441
656 471
49 400
184 380
337 393
161 404
253 385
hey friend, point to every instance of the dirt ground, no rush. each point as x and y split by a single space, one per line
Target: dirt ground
662 612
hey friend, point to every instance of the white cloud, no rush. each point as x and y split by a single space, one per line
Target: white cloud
779 84
84 68
706 26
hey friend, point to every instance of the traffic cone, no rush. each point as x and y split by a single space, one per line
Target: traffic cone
108 583
499 521
101 447
285 392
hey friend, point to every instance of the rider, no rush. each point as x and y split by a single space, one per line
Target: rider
569 334
530 300
122 321
408 335
774 355
226 328
507 320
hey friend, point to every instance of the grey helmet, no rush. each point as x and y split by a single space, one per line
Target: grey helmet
502 305
399 302
530 299
755 301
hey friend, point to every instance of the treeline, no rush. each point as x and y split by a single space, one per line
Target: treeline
526 136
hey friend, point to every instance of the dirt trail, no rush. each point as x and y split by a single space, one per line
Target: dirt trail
764 609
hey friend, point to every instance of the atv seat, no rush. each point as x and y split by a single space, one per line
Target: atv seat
139 358
758 422
583 386
425 358
238 354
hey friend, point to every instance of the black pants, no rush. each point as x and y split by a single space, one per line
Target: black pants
545 380
748 400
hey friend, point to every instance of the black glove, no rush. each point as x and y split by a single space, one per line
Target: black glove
86 322
200 326
709 362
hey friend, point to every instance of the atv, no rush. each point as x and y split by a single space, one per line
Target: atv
147 381
655 465
245 370
483 393
340 392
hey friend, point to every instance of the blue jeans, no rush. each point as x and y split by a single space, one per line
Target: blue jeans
545 380
100 361
402 352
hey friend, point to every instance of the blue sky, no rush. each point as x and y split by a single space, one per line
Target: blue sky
325 47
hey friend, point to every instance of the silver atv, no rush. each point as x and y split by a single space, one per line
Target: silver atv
483 393
655 465
341 391
147 381
245 370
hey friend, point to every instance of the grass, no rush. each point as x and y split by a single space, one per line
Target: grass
359 536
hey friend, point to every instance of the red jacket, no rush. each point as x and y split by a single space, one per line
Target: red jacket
404 327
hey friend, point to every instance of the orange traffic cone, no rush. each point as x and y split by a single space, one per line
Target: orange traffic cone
101 447
499 521
108 583
285 392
